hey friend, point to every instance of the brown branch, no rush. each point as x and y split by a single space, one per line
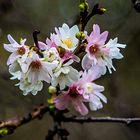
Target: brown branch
126 121
11 124
85 18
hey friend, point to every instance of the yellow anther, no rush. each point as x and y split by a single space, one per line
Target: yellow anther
68 42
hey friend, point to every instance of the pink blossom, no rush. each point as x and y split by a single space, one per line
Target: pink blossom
52 41
95 44
99 53
71 97
84 90
69 55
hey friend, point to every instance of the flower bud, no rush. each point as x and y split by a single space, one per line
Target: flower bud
3 132
50 101
102 11
83 6
80 35
52 90
51 107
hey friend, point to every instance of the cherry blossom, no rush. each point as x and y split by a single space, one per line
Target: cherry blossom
17 50
99 53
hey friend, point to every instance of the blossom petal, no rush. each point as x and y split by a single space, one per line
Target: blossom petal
103 38
42 46
80 107
86 63
11 40
12 58
101 96
61 101
9 47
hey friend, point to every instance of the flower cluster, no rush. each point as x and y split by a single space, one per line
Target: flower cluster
52 62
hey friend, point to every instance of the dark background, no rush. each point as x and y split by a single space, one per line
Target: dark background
20 17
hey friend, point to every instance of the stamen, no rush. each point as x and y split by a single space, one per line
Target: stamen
21 50
36 65
73 92
93 49
68 42
61 52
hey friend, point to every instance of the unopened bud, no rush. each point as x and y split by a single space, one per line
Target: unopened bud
51 107
50 101
83 6
80 35
52 90
102 11
3 132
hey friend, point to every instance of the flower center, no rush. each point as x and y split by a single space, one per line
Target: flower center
73 92
93 49
36 65
89 88
61 52
68 42
21 50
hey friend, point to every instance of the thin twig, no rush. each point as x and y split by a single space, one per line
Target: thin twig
35 33
75 119
36 47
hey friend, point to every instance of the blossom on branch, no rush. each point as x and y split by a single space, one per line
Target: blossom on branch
17 50
82 91
99 53
52 62
66 37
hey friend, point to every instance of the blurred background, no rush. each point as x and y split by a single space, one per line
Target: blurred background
21 18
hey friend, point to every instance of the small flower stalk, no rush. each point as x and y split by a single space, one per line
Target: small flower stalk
57 62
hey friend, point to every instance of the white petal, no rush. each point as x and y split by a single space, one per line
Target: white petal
101 96
68 63
98 88
44 76
12 58
9 48
11 40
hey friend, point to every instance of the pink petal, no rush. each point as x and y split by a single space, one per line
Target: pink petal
86 63
96 32
62 101
80 107
95 72
103 38
42 46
